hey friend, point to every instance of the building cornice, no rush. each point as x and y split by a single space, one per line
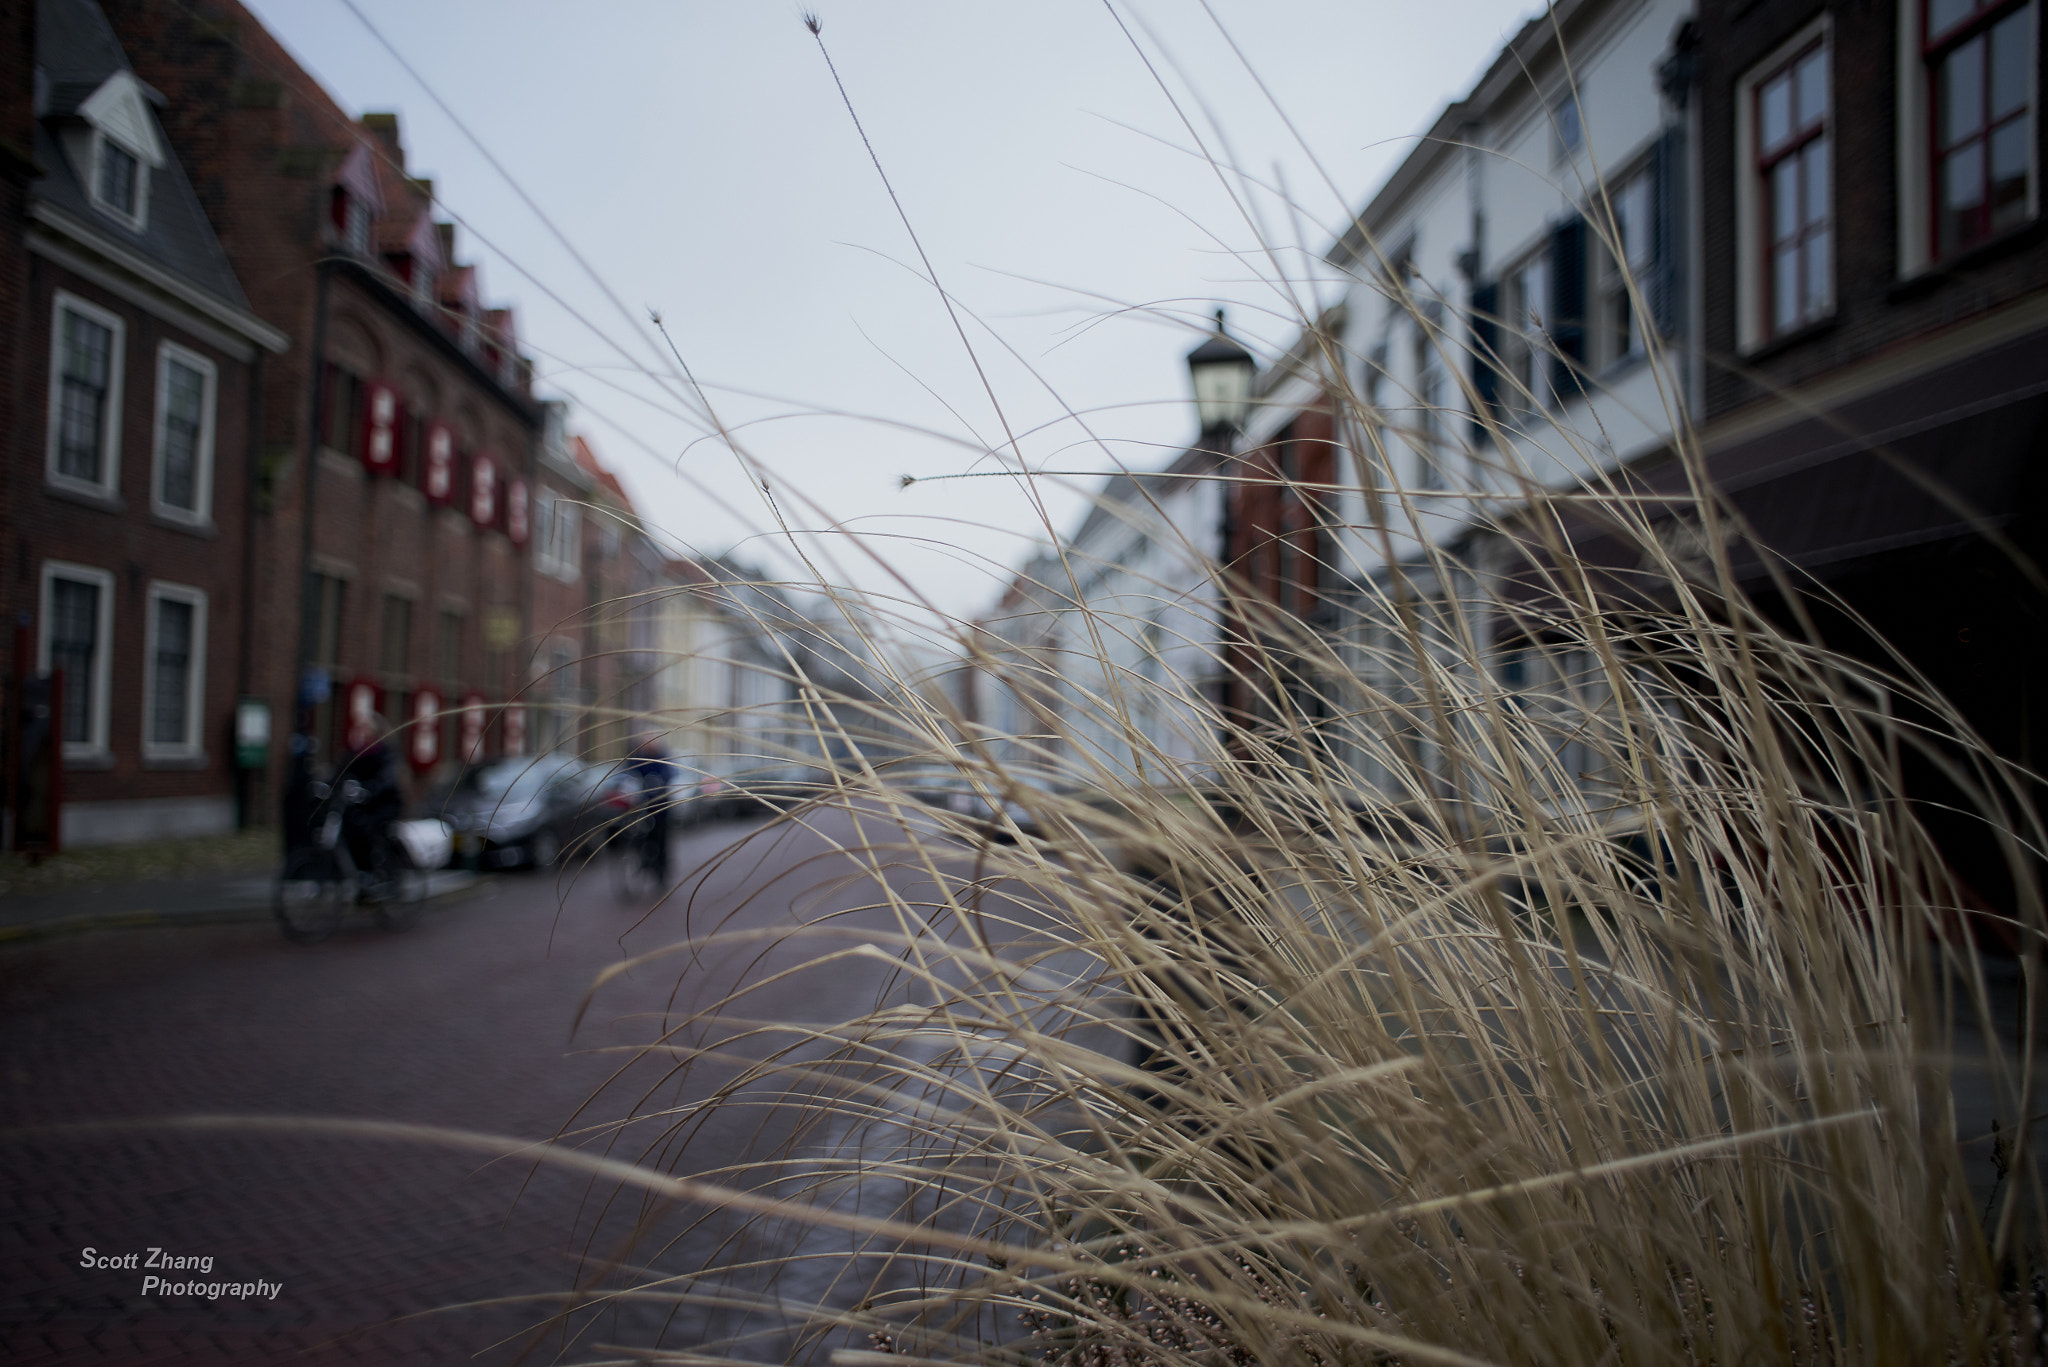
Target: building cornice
400 305
175 290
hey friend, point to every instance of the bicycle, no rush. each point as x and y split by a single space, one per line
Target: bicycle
640 865
321 879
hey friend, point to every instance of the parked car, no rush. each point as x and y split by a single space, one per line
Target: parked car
520 812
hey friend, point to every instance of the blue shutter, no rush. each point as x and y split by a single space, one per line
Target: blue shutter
1567 321
1485 325
1668 184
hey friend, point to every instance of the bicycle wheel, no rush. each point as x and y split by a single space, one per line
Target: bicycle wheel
309 896
630 879
396 888
405 890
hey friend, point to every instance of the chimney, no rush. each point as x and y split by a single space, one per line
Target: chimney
385 126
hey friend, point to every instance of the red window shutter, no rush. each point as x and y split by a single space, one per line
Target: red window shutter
437 474
472 734
380 428
423 745
365 701
483 490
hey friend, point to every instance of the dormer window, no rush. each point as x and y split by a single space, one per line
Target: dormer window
423 281
113 144
115 185
352 221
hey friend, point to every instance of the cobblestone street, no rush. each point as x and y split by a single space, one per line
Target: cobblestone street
385 1251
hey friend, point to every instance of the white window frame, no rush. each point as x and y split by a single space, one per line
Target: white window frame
1607 283
143 165
193 746
557 518
1915 173
95 749
202 478
1752 329
63 301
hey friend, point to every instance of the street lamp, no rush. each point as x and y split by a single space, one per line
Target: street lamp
1222 371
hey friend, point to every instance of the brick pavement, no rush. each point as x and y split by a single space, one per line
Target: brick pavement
387 1253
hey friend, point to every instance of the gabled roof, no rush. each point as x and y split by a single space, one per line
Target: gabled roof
587 461
77 58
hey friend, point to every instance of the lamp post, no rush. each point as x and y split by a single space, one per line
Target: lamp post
1222 371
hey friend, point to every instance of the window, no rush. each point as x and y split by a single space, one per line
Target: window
394 650
1429 426
1569 123
343 418
115 181
85 396
1524 316
1792 173
352 220
1980 85
174 673
183 483
325 594
1618 322
77 629
448 646
557 536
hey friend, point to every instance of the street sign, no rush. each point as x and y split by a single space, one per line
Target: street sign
252 732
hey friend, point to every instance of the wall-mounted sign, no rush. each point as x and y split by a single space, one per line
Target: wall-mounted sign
483 490
517 519
437 479
501 626
472 736
423 744
380 428
363 723
252 733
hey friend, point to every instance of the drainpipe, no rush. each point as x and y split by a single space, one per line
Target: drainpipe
302 717
252 485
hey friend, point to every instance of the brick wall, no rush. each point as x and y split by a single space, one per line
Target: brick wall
1875 311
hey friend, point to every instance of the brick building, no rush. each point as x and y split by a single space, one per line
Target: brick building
129 500
1875 332
398 432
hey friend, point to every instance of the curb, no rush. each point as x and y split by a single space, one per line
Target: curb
146 919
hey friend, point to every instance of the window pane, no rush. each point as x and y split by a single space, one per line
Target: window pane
2009 175
117 178
1813 163
1943 15
1637 231
1962 92
184 400
1962 195
1785 287
169 705
2012 51
1775 111
1818 284
74 640
1785 216
1962 178
1812 80
82 397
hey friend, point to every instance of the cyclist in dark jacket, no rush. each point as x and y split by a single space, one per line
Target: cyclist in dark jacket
369 819
655 772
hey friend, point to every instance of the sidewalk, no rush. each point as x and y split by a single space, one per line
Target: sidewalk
161 902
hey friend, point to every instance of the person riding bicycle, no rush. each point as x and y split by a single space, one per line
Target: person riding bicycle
654 770
367 821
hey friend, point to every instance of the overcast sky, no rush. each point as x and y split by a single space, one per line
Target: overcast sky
698 157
